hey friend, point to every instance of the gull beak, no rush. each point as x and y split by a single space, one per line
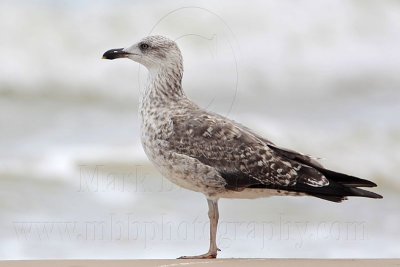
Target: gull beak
115 53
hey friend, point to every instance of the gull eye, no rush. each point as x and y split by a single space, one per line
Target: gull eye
144 46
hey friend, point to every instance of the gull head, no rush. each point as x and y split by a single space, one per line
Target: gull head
153 52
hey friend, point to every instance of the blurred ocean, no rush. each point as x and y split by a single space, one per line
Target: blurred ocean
321 77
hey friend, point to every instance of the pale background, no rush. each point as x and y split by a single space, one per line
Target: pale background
321 77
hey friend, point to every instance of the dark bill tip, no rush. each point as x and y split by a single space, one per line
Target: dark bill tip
115 53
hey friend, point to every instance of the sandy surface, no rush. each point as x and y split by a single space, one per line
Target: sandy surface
218 262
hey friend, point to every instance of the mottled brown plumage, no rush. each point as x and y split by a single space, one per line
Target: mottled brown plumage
214 155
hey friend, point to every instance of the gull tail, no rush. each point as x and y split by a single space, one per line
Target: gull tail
344 186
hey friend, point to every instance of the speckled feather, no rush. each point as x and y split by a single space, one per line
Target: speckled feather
235 152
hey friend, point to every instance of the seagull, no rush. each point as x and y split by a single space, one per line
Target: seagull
211 154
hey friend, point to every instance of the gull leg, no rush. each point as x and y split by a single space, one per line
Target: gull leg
213 215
